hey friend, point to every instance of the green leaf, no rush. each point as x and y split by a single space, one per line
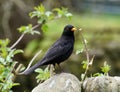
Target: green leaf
41 20
85 63
4 52
59 12
4 43
1 69
18 51
15 84
40 8
82 76
69 15
28 29
79 51
25 29
2 60
48 13
35 32
106 68
35 14
43 74
39 70
44 27
63 12
97 74
39 11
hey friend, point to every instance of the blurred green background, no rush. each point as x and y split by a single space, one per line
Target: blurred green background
99 21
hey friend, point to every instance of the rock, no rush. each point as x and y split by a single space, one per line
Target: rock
102 84
63 82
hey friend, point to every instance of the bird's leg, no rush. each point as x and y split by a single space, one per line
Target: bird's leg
52 69
60 67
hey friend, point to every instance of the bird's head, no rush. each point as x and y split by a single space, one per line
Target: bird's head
69 30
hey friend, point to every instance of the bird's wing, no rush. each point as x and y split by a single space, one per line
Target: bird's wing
56 51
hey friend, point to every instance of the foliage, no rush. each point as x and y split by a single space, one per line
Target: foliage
88 63
7 62
105 69
63 12
44 16
43 74
79 51
7 65
28 30
84 63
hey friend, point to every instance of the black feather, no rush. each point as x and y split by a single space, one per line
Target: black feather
58 52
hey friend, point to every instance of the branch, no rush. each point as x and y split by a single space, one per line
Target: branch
36 26
86 50
89 61
88 66
19 39
31 62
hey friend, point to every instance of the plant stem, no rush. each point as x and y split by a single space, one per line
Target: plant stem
89 61
19 39
31 62
36 26
33 59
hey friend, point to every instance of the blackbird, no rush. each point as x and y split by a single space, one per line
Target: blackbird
59 51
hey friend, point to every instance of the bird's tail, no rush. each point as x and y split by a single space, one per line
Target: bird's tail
31 69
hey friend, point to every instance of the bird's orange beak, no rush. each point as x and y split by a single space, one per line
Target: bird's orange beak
73 29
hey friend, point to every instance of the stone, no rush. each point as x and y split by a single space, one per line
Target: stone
102 84
63 82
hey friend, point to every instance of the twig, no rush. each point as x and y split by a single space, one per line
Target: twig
36 26
86 50
31 62
89 61
33 59
19 39
88 66
16 72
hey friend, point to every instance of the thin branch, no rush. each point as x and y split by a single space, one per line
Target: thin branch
88 66
16 72
86 50
36 26
33 59
89 61
29 65
19 39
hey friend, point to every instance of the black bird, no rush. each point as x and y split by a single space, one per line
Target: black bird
59 51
